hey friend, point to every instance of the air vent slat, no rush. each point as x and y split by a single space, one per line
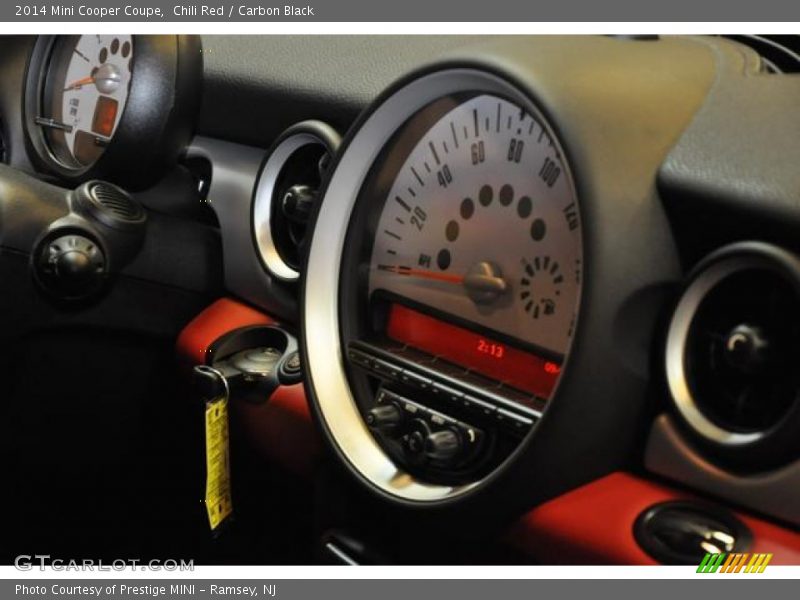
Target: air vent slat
110 205
115 201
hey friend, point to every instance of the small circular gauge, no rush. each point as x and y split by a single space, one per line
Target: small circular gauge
85 92
540 286
114 107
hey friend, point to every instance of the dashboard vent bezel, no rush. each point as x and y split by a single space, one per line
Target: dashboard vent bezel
269 244
757 446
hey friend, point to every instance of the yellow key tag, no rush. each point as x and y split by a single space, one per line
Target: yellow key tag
218 473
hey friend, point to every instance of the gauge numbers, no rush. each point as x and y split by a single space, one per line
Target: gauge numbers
482 223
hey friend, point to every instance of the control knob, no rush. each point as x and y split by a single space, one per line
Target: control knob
443 446
423 444
384 416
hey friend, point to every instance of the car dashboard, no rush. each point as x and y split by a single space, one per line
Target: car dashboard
467 299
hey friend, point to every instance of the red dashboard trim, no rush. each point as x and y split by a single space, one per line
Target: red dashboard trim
593 524
280 429
215 321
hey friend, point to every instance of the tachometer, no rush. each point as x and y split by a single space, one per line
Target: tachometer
85 93
115 107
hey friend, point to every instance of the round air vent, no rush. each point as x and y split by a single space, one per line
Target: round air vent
732 354
286 193
110 205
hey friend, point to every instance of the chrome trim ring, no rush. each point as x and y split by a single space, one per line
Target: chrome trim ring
322 336
728 262
298 136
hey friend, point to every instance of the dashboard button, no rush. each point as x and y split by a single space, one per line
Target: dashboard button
439 420
386 369
447 369
409 407
415 380
477 406
522 398
359 358
480 383
513 421
293 363
412 356
446 393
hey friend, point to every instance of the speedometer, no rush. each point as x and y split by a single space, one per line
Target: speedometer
481 224
452 231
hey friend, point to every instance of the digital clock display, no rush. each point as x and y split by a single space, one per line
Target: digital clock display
490 358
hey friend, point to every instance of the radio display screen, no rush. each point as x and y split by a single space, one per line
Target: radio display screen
488 357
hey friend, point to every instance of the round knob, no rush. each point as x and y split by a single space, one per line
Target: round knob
443 445
71 265
384 416
298 203
291 369
414 442
747 348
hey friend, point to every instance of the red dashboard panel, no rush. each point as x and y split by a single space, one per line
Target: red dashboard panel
215 321
280 428
593 524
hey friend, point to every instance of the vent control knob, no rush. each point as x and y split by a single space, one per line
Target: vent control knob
298 202
747 348
71 266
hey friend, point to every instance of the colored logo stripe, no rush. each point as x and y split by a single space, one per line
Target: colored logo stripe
734 563
711 563
759 565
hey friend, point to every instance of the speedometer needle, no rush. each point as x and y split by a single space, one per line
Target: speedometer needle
80 83
484 282
422 274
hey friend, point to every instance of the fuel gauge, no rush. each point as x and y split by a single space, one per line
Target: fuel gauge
540 286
